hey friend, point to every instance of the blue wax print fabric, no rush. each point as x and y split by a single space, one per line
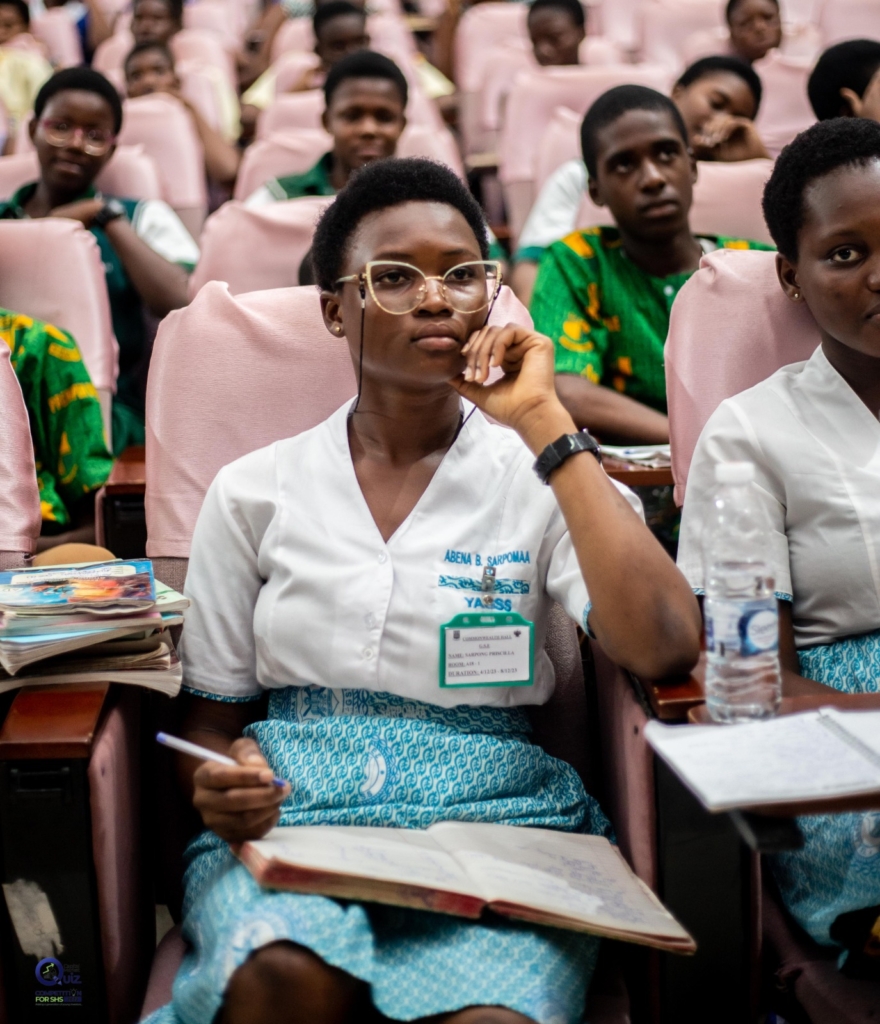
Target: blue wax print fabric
359 758
838 870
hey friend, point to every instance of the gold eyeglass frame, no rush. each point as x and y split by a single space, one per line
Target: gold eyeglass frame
365 277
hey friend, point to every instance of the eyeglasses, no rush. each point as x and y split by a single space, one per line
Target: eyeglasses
400 288
95 141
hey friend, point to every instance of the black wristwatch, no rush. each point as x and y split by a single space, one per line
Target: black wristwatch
555 454
111 210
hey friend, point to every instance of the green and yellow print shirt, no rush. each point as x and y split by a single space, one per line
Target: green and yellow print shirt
608 318
70 448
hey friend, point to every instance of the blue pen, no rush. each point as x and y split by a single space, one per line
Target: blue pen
194 750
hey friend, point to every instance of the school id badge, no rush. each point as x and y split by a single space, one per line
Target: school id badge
487 649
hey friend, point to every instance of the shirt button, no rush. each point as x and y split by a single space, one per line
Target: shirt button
368 653
668 290
382 558
370 620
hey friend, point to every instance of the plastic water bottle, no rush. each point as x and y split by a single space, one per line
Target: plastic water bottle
740 611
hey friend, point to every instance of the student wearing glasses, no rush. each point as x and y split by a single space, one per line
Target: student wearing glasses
147 252
322 570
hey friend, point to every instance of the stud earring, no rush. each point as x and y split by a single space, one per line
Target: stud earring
337 329
796 296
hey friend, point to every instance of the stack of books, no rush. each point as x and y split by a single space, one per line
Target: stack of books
104 622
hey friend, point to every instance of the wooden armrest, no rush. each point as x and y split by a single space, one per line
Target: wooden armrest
481 162
633 475
672 699
421 23
128 475
53 721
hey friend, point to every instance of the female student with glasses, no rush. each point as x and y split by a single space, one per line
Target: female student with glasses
323 569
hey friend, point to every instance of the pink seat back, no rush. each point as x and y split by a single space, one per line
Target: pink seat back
665 28
110 55
198 88
272 369
849 19
130 173
481 28
255 250
294 36
280 154
291 111
215 17
19 499
731 327
727 199
785 110
291 67
203 47
55 28
164 128
560 143
51 269
507 61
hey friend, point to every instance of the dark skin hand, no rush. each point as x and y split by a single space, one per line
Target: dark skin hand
719 111
365 117
645 176
68 171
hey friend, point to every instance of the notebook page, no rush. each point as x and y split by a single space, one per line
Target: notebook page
405 856
557 873
789 759
863 725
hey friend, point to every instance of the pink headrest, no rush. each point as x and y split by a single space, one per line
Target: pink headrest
785 109
291 111
57 30
271 369
535 95
51 269
295 35
279 154
19 498
483 26
129 173
256 250
163 126
111 54
731 327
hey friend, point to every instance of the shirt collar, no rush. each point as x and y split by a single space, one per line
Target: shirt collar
23 196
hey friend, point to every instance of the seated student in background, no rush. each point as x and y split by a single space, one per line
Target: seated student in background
23 68
556 29
604 294
718 98
149 68
92 24
846 81
147 252
340 30
401 482
67 427
755 27
365 95
813 434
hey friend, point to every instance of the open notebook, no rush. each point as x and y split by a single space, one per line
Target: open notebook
794 759
577 882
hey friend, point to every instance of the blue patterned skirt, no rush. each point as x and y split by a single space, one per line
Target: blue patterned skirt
838 870
358 758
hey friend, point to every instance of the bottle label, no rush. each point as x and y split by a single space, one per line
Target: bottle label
745 628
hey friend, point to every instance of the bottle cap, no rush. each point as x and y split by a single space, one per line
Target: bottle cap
734 472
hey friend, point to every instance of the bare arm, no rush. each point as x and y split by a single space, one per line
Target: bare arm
522 280
221 157
643 611
161 285
98 28
610 415
237 803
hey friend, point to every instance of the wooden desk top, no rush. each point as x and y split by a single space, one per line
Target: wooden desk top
672 699
637 476
128 475
54 721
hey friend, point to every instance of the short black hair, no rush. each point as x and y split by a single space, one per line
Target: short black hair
733 4
849 65
820 150
334 9
379 186
731 65
175 8
365 64
21 7
85 80
614 104
573 8
140 48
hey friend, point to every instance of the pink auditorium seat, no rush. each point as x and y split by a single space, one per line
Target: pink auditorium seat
217 18
19 499
110 56
51 269
189 44
785 110
291 111
849 19
294 36
291 67
56 29
130 173
665 27
731 327
254 250
531 103
163 126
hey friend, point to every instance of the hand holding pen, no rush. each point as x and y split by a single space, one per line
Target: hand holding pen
237 793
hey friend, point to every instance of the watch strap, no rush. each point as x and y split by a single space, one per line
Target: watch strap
552 457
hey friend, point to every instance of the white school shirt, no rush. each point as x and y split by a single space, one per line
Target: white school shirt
291 583
816 450
554 214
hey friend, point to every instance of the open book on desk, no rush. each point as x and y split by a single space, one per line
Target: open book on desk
577 882
809 758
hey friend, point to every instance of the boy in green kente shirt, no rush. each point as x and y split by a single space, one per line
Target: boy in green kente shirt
604 295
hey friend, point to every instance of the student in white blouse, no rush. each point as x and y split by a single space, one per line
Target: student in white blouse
322 570
813 433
